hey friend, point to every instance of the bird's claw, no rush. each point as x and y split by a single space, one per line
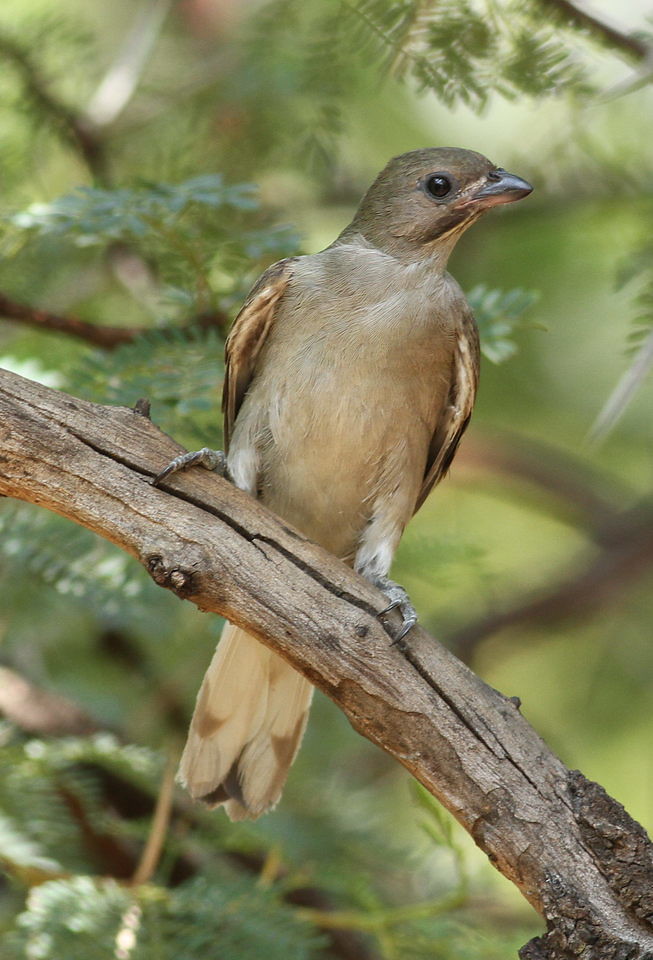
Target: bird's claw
407 626
391 606
206 457
399 600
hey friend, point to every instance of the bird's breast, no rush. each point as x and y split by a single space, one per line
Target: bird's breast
339 411
346 397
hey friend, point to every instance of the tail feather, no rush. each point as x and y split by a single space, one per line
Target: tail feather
248 724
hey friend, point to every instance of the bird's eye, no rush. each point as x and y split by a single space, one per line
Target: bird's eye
437 185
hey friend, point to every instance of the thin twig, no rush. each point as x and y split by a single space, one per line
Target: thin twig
629 383
121 80
155 841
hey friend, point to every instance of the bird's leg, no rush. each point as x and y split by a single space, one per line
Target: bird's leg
210 459
399 600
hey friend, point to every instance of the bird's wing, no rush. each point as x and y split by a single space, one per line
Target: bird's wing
458 410
247 337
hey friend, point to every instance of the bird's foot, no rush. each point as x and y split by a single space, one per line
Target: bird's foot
399 600
210 459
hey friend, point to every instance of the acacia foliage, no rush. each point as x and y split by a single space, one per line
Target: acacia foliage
156 223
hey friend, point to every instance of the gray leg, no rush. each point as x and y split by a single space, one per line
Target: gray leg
399 600
210 459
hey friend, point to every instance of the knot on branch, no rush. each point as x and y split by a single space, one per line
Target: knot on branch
173 578
619 844
143 407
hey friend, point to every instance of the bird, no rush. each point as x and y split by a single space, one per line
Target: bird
350 379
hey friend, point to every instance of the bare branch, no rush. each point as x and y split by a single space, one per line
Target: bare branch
100 336
626 43
40 711
573 852
71 126
588 587
107 337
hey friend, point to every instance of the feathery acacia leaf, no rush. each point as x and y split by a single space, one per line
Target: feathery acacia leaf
499 315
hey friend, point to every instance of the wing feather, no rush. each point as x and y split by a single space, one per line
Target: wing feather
248 334
458 411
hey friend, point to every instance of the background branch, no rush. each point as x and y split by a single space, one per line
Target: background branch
121 80
625 556
614 37
565 487
39 711
550 479
72 127
106 337
573 852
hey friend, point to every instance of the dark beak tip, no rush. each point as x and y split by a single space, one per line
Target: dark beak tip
508 187
523 188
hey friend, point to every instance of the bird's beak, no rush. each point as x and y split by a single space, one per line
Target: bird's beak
500 187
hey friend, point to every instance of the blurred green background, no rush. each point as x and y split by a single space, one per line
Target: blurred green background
210 138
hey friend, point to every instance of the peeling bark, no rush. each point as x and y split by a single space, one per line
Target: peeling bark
573 852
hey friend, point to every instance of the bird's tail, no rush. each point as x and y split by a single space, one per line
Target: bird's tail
249 720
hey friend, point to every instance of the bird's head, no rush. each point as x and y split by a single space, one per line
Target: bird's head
427 198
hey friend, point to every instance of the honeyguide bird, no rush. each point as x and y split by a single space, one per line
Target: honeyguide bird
350 379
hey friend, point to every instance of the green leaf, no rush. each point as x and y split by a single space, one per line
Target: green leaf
437 823
196 237
500 315
78 919
92 919
93 216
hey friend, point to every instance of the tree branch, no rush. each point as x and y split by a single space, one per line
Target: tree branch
107 337
548 478
71 125
99 336
40 711
626 554
609 34
574 853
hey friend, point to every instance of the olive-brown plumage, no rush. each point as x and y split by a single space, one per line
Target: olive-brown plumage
351 377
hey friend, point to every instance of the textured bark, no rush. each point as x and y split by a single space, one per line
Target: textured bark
573 852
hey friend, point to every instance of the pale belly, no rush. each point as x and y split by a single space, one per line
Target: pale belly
342 443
